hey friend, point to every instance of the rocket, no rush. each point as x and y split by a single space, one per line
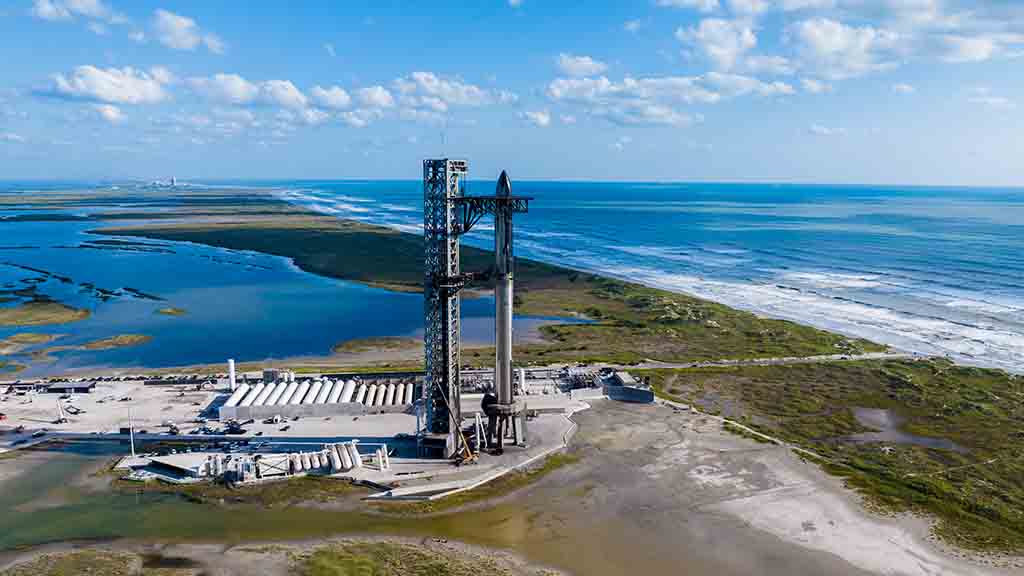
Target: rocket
503 293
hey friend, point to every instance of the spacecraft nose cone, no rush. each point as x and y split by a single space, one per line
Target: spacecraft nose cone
504 184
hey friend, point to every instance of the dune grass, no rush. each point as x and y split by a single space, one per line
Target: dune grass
40 313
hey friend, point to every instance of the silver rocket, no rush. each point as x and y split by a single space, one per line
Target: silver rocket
503 293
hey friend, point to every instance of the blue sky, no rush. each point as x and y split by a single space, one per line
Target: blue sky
843 91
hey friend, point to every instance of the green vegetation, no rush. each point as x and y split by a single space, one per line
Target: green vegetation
976 495
393 559
294 491
628 322
39 313
172 311
376 344
119 341
81 563
501 486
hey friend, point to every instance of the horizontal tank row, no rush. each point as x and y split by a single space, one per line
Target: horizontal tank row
321 391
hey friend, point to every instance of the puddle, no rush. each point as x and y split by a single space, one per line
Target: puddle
887 425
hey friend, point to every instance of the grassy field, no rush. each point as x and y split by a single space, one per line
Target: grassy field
82 563
394 559
977 495
382 343
37 313
628 322
274 494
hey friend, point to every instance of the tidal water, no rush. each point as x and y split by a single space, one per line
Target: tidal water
931 270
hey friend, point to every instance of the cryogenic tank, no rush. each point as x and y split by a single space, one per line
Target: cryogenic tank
371 395
262 398
350 388
237 396
304 461
357 460
389 397
382 391
325 392
335 461
399 394
336 390
360 394
410 388
314 461
299 394
346 458
289 392
251 396
313 391
278 392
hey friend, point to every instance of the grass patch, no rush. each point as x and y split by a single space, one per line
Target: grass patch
289 492
393 559
119 341
171 311
38 313
976 496
385 343
85 562
500 486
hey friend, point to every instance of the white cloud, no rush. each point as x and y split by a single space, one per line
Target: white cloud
50 10
776 65
634 101
702 5
839 51
230 88
748 7
632 25
283 93
790 5
815 86
573 65
903 88
723 41
112 85
334 97
11 137
981 47
819 130
375 97
97 28
737 85
109 112
432 89
540 118
361 117
182 33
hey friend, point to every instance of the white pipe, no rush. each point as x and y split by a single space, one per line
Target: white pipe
325 392
288 393
251 396
237 396
360 394
313 391
231 373
336 391
346 395
299 394
389 399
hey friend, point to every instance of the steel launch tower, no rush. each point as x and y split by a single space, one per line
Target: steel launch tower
447 214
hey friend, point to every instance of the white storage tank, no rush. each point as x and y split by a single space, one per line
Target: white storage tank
288 393
278 392
357 460
314 461
371 395
299 394
314 390
382 392
349 390
304 461
346 458
360 394
321 398
409 389
251 396
237 396
267 390
336 390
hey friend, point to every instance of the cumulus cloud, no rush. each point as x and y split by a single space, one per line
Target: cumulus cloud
375 97
333 97
572 65
959 49
723 41
819 130
540 118
815 86
109 112
634 101
702 5
902 88
229 88
283 93
775 65
111 85
737 85
50 10
55 10
182 33
839 51
748 7
434 88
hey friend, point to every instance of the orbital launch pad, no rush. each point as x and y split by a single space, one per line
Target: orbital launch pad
448 213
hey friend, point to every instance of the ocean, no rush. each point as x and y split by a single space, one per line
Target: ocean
931 270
